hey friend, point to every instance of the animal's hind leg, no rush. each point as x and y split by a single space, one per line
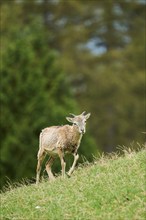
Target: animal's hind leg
41 156
48 168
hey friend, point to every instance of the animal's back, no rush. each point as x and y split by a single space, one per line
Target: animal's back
52 136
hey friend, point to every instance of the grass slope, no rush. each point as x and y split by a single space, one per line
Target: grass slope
109 189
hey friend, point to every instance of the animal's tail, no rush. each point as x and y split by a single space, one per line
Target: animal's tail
40 145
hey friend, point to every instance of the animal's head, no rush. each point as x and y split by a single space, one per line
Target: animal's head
79 121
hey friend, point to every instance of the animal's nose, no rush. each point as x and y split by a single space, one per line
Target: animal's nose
83 131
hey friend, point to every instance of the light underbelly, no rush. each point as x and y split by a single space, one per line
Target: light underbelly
52 152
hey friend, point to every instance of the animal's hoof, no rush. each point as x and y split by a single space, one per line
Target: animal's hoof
68 175
51 179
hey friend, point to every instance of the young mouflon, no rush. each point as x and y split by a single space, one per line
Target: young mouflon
58 140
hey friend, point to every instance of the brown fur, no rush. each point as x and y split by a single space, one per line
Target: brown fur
58 140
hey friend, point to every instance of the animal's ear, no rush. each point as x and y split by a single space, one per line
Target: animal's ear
83 113
72 115
69 119
87 116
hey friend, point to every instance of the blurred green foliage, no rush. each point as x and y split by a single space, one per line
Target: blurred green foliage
49 69
34 94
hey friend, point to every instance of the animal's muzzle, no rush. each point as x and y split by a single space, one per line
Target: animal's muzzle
83 131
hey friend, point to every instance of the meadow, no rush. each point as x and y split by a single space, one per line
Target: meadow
110 188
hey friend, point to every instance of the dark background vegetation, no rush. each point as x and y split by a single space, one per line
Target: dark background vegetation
62 56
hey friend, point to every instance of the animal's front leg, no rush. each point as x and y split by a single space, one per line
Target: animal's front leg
63 164
76 157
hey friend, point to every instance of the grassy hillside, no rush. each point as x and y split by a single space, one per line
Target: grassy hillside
109 189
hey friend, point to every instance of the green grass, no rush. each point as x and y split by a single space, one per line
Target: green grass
111 188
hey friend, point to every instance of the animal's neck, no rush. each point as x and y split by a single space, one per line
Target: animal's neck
76 131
